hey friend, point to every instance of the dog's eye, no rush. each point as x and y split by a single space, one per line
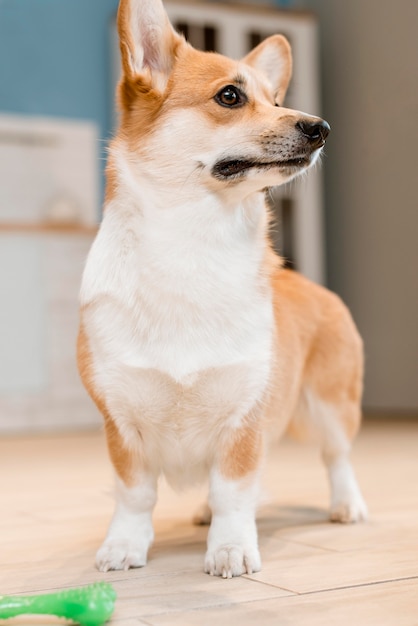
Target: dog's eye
230 96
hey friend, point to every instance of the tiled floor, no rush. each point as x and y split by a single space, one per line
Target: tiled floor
55 502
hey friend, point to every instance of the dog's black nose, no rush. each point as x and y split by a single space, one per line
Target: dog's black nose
316 131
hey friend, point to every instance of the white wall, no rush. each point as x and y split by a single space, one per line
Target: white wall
370 79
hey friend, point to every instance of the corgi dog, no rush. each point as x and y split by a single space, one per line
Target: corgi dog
195 344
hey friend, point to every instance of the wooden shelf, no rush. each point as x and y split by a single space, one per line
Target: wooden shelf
47 228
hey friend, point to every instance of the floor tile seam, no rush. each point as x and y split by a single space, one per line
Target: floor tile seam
217 605
123 620
148 576
358 585
310 545
326 549
289 592
139 620
111 581
132 577
150 616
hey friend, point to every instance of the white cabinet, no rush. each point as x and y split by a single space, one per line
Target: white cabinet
40 273
48 218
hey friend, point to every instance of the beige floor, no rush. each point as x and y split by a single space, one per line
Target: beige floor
55 502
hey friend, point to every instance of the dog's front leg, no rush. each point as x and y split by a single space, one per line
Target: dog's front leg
233 496
130 532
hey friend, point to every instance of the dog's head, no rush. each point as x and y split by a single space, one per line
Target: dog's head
204 119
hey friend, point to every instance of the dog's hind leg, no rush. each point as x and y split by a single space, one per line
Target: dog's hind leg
324 422
329 409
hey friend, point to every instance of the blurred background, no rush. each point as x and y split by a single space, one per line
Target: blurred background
352 225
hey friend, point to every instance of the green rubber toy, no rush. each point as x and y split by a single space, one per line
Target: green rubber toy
88 606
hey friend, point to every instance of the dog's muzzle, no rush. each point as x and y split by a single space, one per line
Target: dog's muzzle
289 154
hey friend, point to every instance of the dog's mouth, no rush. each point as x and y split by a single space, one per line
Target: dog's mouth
235 168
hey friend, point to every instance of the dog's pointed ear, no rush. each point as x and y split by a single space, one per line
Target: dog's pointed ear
273 57
147 40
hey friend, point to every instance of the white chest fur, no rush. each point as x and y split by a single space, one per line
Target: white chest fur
179 320
178 291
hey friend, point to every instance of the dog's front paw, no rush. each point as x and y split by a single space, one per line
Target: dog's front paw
121 554
232 560
349 510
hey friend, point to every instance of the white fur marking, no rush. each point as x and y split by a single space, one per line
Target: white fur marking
130 533
232 539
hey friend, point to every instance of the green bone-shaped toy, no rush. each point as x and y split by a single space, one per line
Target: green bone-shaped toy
89 606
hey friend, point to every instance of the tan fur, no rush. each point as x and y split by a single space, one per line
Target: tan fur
125 460
284 47
242 455
320 348
125 37
111 182
195 78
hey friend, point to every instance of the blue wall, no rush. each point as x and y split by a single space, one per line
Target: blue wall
55 59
